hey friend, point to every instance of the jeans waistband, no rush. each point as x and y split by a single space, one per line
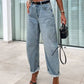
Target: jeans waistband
41 2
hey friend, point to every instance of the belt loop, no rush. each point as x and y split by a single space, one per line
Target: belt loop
41 2
31 3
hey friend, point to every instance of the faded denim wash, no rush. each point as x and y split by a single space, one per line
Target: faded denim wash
41 20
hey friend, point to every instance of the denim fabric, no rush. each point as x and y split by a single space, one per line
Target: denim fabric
41 20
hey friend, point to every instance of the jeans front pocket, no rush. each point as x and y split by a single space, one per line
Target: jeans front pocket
30 9
48 9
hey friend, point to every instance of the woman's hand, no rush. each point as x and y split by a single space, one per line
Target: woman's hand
28 5
63 18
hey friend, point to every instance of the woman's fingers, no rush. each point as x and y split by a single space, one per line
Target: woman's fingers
63 19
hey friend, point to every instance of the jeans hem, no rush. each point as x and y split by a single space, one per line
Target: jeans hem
35 70
55 75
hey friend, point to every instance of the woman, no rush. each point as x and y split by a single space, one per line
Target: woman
41 19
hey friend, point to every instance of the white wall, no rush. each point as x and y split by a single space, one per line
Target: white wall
7 28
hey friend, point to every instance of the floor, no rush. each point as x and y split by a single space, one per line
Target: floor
14 66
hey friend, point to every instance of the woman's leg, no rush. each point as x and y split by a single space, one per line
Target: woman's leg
56 80
49 36
34 77
33 34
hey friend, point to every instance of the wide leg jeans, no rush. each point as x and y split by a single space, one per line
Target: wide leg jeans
41 20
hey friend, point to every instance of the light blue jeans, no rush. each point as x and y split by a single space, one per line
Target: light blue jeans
41 19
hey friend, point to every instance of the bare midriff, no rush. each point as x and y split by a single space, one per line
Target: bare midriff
37 0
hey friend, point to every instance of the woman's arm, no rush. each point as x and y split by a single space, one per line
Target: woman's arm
60 5
28 5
